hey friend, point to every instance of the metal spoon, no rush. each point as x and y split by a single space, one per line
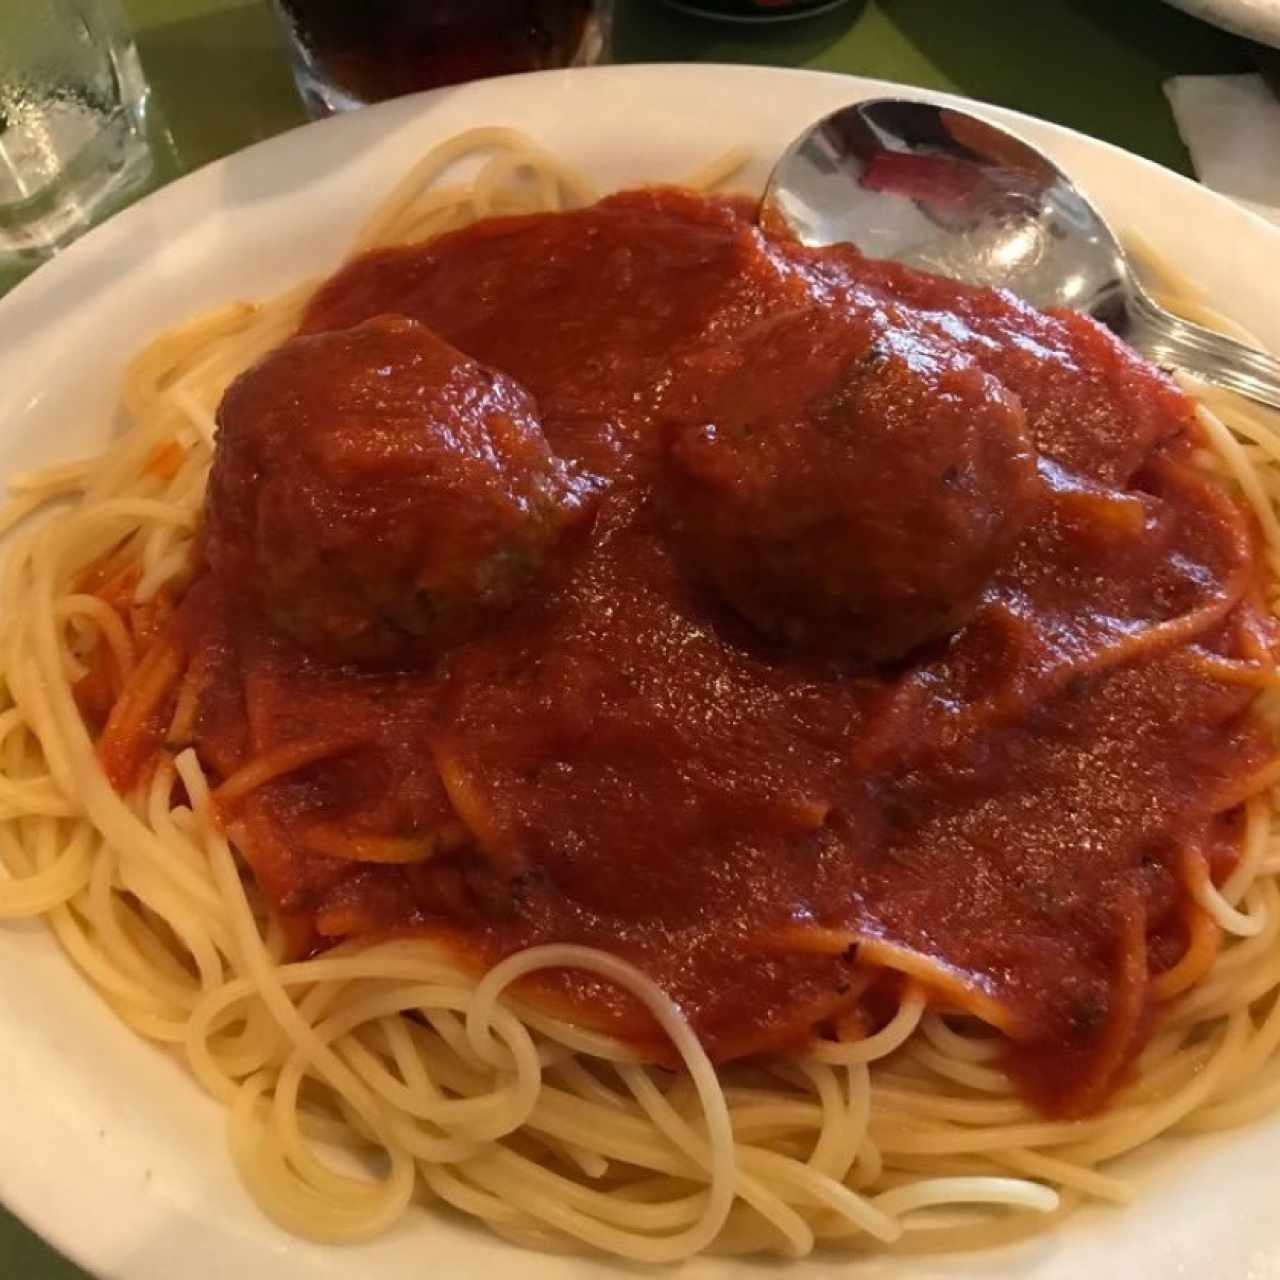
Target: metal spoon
949 192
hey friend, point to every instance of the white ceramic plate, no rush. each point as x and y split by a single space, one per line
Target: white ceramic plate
1257 19
107 1148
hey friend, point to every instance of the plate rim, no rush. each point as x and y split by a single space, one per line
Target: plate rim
47 275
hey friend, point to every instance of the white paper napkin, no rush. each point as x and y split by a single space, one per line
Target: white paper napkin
1231 125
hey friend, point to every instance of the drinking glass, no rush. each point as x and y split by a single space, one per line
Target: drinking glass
72 113
346 53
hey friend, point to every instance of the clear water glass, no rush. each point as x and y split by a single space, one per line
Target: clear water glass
72 122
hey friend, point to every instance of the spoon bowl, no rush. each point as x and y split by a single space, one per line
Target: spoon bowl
944 191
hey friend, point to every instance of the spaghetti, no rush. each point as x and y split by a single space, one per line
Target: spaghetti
368 1077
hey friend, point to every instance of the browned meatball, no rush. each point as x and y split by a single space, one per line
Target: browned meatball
849 488
379 495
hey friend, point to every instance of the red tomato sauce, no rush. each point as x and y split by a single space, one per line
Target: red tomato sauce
622 761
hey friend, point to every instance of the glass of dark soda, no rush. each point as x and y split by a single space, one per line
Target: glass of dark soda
347 53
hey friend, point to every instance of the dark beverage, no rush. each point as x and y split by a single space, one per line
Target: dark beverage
755 10
349 52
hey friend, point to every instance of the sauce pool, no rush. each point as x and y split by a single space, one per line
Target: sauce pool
1013 806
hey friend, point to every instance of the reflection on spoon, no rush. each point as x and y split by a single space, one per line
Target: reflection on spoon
942 190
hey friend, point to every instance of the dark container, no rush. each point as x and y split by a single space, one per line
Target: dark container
350 52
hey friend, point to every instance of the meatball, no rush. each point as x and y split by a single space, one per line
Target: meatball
379 495
849 488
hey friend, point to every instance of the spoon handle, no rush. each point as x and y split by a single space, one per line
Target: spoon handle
1169 341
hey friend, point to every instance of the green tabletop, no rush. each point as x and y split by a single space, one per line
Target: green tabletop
220 82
